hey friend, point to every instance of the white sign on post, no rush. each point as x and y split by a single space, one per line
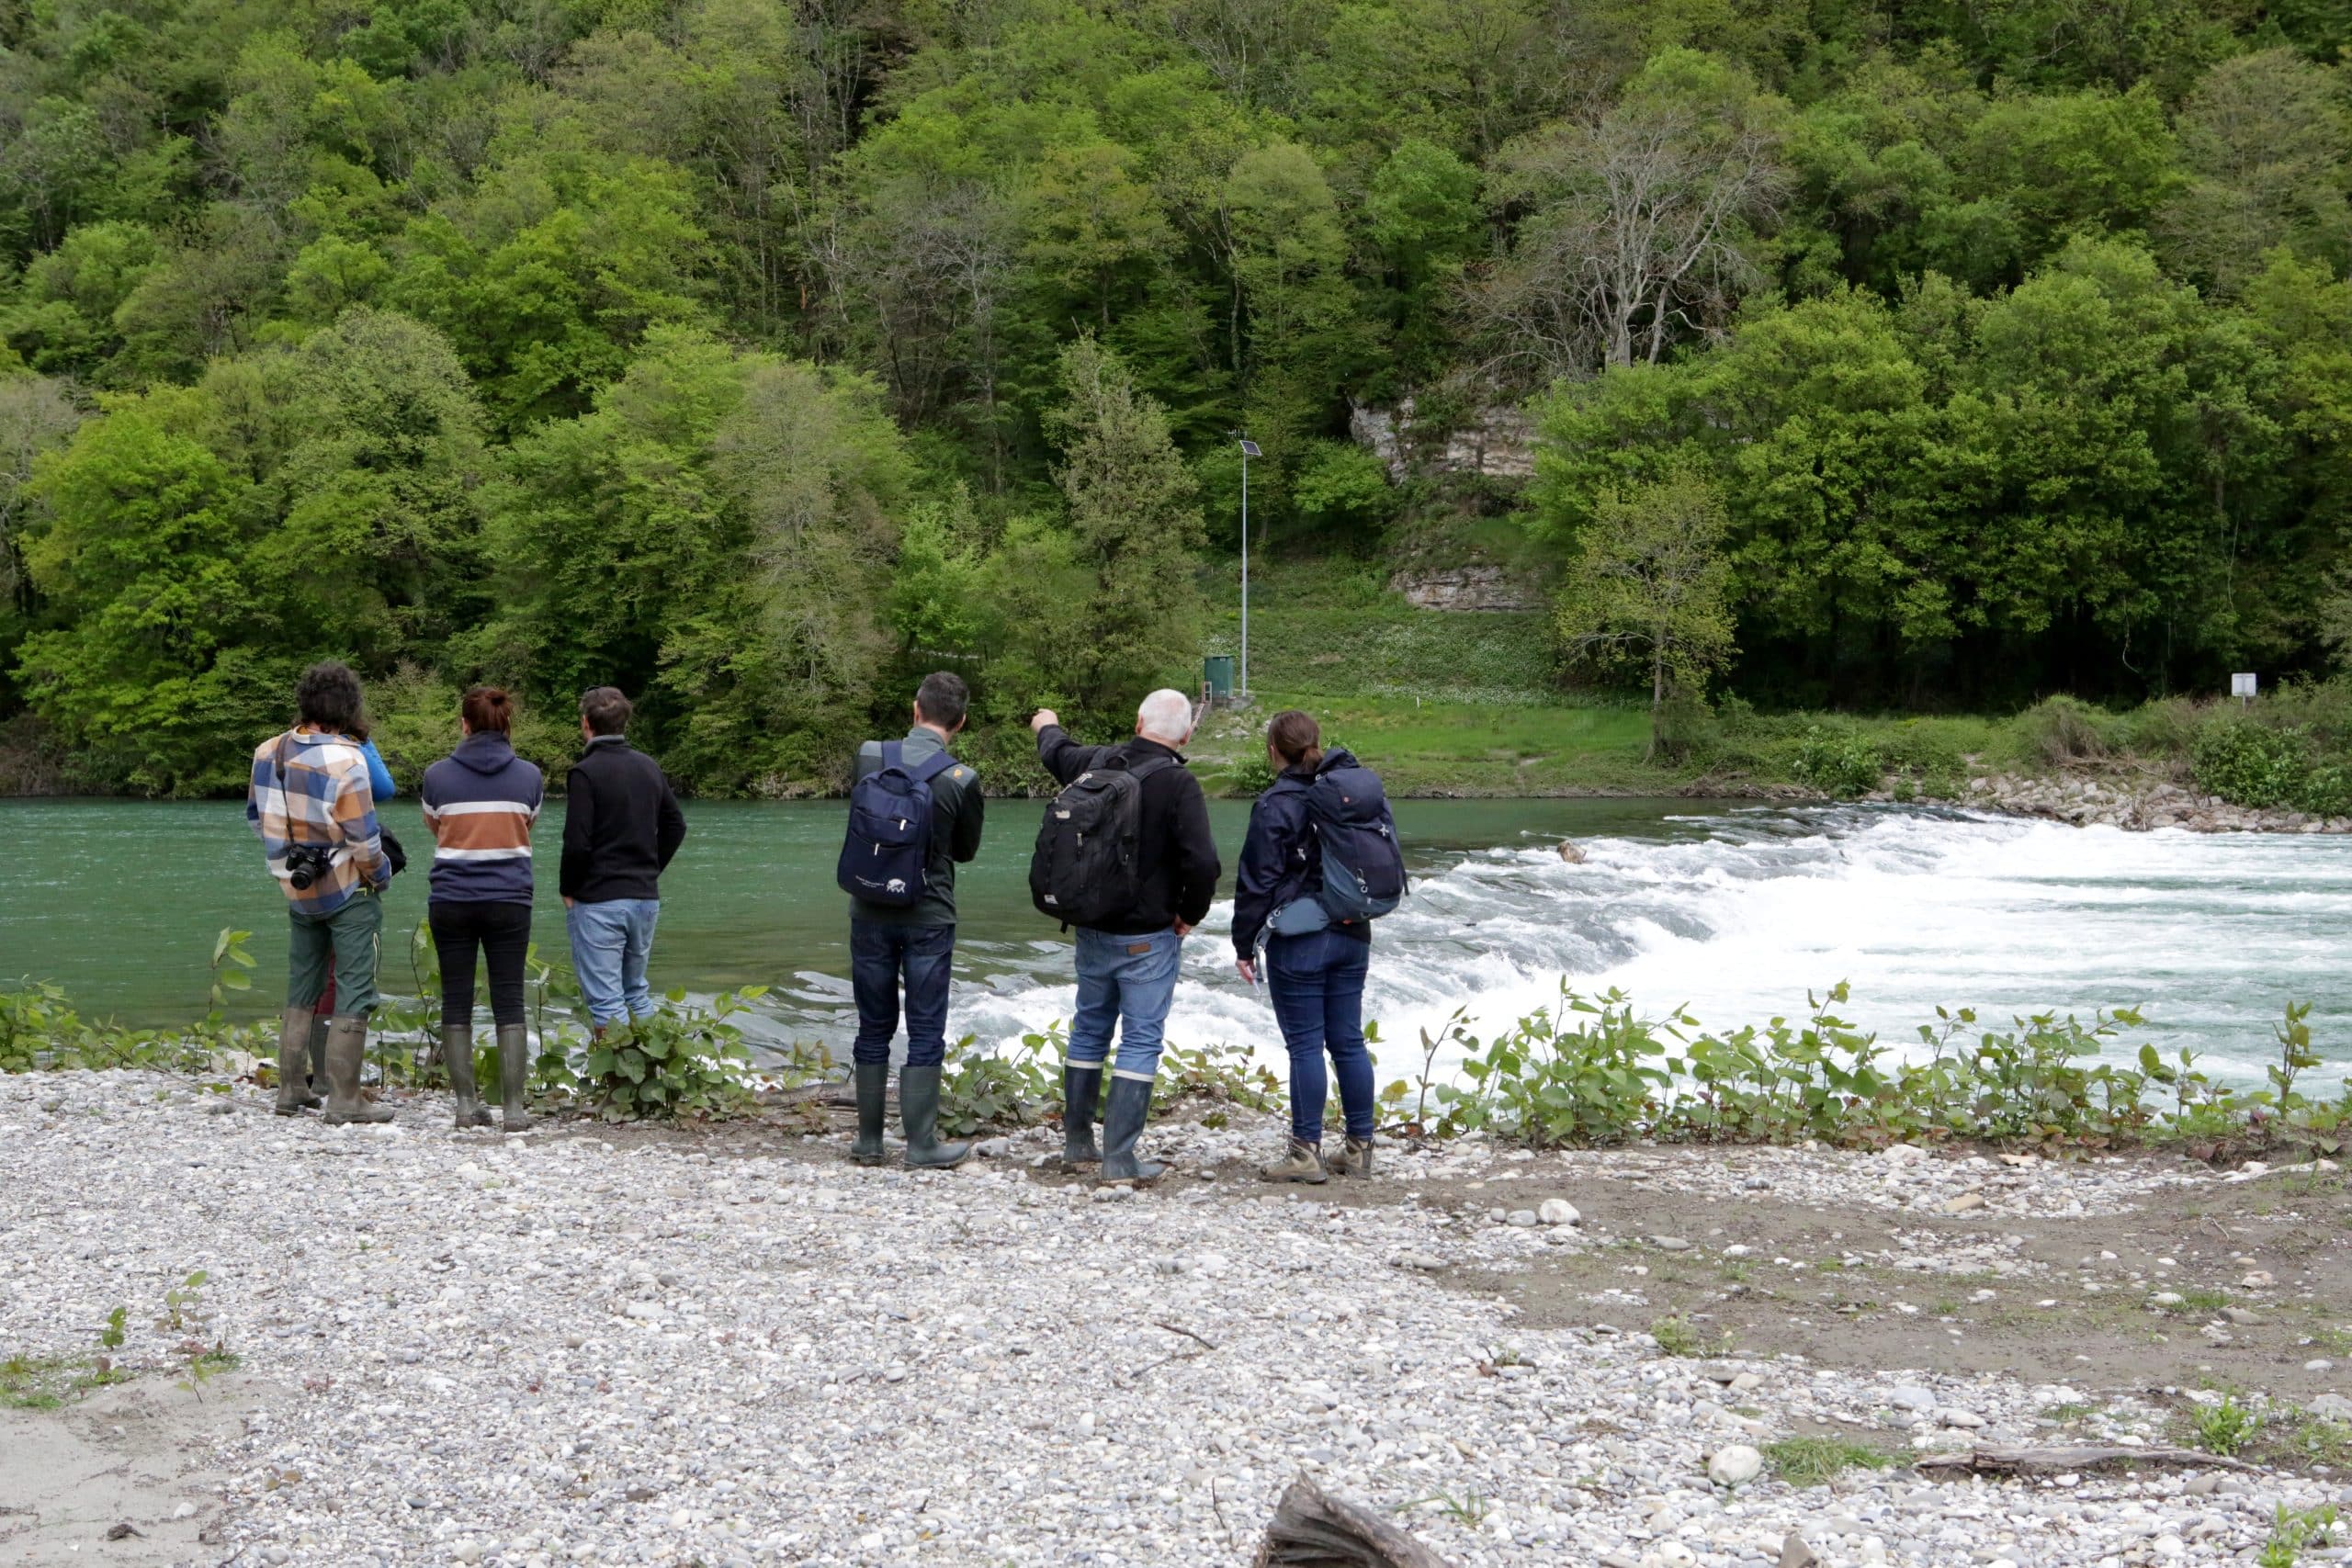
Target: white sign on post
2242 686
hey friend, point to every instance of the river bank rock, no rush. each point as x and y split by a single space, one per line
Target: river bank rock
2136 805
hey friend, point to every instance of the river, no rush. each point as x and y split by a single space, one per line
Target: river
1731 908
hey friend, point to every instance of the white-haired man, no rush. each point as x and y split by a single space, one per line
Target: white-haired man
1127 961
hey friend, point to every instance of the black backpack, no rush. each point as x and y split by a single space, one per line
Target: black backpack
1087 870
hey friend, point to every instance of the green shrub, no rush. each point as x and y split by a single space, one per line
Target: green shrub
1249 778
1842 764
683 1061
2249 763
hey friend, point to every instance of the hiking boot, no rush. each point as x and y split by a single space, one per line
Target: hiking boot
513 1076
457 1055
293 1042
1354 1159
1123 1120
1302 1161
346 1049
918 1110
873 1080
1081 1092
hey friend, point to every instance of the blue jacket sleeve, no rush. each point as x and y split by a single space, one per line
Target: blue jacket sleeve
1271 858
380 777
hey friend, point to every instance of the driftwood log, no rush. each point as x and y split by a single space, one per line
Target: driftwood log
2058 1461
1311 1528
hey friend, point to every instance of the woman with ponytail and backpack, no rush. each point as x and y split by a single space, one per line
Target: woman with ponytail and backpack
1321 862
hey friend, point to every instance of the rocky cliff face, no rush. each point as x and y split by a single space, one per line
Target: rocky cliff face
1488 588
1500 443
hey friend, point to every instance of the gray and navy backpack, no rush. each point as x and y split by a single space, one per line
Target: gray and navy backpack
1355 841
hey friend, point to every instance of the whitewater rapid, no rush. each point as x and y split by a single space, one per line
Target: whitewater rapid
1736 915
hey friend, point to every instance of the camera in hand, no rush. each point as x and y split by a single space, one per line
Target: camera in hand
305 864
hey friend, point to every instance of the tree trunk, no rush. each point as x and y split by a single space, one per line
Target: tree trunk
1657 693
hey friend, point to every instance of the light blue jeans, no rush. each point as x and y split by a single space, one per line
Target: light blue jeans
1126 981
610 943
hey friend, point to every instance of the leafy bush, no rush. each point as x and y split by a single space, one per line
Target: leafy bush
983 1088
683 1061
2248 763
1249 778
1842 764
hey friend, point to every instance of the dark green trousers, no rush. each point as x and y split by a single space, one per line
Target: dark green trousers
345 943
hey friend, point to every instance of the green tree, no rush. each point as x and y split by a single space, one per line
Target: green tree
1650 576
147 664
1133 523
2266 138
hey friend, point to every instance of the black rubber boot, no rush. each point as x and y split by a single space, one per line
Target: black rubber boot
918 1110
873 1080
346 1049
457 1055
293 1041
513 1076
1123 1120
1081 1092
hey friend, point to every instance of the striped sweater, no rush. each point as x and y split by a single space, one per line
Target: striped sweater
310 787
480 801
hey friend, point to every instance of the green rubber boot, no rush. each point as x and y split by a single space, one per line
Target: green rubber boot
918 1110
873 1080
1123 1121
293 1039
1081 1092
513 1076
457 1055
316 1094
346 1048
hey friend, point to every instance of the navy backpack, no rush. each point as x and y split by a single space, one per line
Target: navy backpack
1363 864
888 845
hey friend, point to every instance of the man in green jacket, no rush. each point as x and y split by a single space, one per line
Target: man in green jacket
914 943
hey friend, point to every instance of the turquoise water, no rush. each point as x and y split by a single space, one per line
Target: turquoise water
1736 911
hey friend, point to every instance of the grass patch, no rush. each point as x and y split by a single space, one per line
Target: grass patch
47 1382
1678 1336
2196 1303
2223 1428
1813 1462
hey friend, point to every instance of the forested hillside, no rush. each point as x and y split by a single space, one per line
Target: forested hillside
746 352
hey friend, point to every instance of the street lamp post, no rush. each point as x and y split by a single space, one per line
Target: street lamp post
1249 450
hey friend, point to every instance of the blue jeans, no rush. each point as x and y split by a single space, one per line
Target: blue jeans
1316 984
610 943
1128 981
879 953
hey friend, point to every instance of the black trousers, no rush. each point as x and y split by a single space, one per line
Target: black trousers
501 933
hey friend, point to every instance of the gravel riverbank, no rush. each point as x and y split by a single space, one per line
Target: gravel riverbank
661 1348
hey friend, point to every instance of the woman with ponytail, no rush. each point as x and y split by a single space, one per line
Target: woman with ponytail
1315 965
480 801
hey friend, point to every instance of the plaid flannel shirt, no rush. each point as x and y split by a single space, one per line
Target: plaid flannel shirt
310 787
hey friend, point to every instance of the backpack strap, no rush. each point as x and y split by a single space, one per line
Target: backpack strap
893 755
931 767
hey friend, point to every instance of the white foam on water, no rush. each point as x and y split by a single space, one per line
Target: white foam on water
1737 916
